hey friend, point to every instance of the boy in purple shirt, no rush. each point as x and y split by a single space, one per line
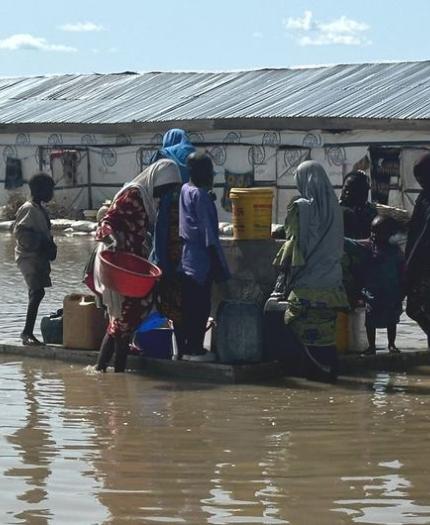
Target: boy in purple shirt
203 259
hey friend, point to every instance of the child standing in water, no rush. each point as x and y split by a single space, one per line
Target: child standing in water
35 248
382 276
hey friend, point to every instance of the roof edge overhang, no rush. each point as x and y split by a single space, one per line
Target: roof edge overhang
331 124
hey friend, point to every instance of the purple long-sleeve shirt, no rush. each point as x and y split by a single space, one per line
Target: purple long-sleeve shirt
198 228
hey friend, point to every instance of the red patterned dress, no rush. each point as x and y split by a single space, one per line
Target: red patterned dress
128 221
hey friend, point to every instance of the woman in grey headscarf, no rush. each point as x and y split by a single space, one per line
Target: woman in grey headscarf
311 273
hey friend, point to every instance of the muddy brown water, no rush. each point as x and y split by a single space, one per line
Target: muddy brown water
80 447
73 252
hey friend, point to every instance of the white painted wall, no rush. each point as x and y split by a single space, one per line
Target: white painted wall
272 156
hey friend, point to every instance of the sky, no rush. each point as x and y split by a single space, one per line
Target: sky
86 36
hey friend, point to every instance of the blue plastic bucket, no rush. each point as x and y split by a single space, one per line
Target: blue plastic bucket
154 343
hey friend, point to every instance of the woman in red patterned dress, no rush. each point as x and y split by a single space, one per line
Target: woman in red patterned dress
127 226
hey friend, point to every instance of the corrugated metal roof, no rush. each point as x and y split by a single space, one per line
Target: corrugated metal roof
363 91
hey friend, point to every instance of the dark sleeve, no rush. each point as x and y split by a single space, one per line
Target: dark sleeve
373 211
415 227
354 265
356 250
418 250
348 222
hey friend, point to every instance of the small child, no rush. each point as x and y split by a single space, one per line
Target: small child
35 248
381 270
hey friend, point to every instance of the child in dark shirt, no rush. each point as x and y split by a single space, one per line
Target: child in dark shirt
381 273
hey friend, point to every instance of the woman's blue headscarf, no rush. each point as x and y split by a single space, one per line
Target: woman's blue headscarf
177 147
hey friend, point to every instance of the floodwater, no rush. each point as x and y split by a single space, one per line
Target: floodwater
77 447
73 253
85 448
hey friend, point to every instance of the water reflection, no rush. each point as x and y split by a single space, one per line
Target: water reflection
261 495
387 496
166 455
45 461
127 449
386 500
35 449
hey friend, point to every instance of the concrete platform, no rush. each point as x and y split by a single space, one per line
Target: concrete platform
350 364
178 370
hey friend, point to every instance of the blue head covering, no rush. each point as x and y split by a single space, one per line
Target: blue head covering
174 137
177 147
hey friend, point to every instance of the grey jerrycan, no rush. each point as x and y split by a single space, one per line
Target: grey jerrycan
239 333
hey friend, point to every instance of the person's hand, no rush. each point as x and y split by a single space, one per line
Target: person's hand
111 243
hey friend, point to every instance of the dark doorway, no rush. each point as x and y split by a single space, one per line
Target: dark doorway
384 172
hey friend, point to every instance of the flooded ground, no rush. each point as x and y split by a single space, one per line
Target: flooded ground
80 447
73 253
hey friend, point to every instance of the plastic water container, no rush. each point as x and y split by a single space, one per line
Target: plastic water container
357 330
52 330
154 337
155 343
342 332
84 325
351 331
239 334
252 212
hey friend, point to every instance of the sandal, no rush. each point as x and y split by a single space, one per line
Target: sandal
30 340
369 351
393 350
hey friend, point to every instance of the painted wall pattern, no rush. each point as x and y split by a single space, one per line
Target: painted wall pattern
271 157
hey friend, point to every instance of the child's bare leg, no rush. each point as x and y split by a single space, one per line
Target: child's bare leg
35 297
391 333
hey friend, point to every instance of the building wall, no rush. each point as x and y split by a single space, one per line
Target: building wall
264 158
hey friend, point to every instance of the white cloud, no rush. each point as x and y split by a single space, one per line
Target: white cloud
343 25
34 43
339 31
300 24
257 34
82 27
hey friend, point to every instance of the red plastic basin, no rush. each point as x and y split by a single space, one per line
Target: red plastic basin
128 274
